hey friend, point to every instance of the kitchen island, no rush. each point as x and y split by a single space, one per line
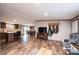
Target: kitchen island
6 37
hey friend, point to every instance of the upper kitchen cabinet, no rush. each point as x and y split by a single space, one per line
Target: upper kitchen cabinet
2 25
16 26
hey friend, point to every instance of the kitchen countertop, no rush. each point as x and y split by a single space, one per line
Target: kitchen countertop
7 32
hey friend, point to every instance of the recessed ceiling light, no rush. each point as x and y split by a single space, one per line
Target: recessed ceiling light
46 14
37 4
14 20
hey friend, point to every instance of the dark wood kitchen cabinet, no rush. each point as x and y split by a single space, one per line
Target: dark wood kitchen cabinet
3 39
2 25
16 26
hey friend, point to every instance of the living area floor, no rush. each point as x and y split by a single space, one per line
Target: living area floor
35 47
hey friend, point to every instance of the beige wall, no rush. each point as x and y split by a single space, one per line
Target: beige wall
64 29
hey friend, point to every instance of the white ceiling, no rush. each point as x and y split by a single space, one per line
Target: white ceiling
56 11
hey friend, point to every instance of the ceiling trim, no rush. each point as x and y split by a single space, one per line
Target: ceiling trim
55 20
75 18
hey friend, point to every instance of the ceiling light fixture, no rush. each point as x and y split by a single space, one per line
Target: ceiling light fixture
46 14
37 4
14 20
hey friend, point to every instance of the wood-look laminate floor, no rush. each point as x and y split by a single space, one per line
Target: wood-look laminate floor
34 47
